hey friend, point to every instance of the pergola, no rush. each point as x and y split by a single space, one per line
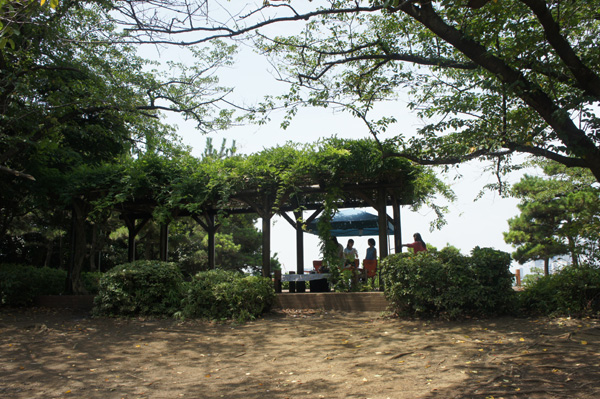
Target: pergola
310 198
286 181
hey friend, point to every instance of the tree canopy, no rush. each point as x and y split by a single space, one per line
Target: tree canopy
67 79
494 77
559 215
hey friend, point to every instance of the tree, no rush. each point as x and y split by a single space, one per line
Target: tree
500 77
67 68
76 102
559 215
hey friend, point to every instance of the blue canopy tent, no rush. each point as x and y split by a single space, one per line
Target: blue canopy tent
351 223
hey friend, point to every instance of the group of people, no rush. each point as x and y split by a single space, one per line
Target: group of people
349 254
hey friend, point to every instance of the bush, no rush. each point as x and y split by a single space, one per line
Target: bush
220 294
572 291
449 284
21 284
140 288
90 281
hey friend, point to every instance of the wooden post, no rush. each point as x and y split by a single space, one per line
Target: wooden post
211 229
397 226
383 231
277 281
301 285
266 237
133 232
164 242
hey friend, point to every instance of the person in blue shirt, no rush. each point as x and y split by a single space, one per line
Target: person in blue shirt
371 251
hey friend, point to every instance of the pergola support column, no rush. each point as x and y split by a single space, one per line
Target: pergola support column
297 223
164 242
130 222
209 225
397 225
383 231
301 285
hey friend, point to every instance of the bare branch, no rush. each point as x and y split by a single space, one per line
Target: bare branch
220 31
16 173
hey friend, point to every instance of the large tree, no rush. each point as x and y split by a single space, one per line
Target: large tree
76 101
496 76
67 78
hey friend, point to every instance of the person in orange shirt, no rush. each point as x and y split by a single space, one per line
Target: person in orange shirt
417 246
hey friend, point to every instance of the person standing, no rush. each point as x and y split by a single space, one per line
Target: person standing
350 253
371 251
351 263
417 246
339 249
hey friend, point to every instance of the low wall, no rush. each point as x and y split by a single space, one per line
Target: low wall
80 302
343 301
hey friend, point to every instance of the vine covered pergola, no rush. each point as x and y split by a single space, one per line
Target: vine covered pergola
287 180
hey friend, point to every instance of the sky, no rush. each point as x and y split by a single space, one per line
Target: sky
470 223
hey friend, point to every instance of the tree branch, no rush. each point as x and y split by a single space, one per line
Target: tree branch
584 75
573 137
222 32
16 173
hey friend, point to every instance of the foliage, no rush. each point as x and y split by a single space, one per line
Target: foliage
91 281
491 77
449 284
140 288
572 291
504 77
220 294
21 284
157 288
559 215
76 104
172 185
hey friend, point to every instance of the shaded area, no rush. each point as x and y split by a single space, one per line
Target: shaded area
305 354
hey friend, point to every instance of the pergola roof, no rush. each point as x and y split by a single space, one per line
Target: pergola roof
352 173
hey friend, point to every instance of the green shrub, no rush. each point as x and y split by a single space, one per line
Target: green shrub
90 281
572 291
21 284
494 292
140 288
219 295
449 284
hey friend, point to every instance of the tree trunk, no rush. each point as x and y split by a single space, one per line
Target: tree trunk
78 251
49 251
94 248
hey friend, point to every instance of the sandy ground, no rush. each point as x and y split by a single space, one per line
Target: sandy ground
296 354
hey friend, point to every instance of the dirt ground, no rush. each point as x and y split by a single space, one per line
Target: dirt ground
296 354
